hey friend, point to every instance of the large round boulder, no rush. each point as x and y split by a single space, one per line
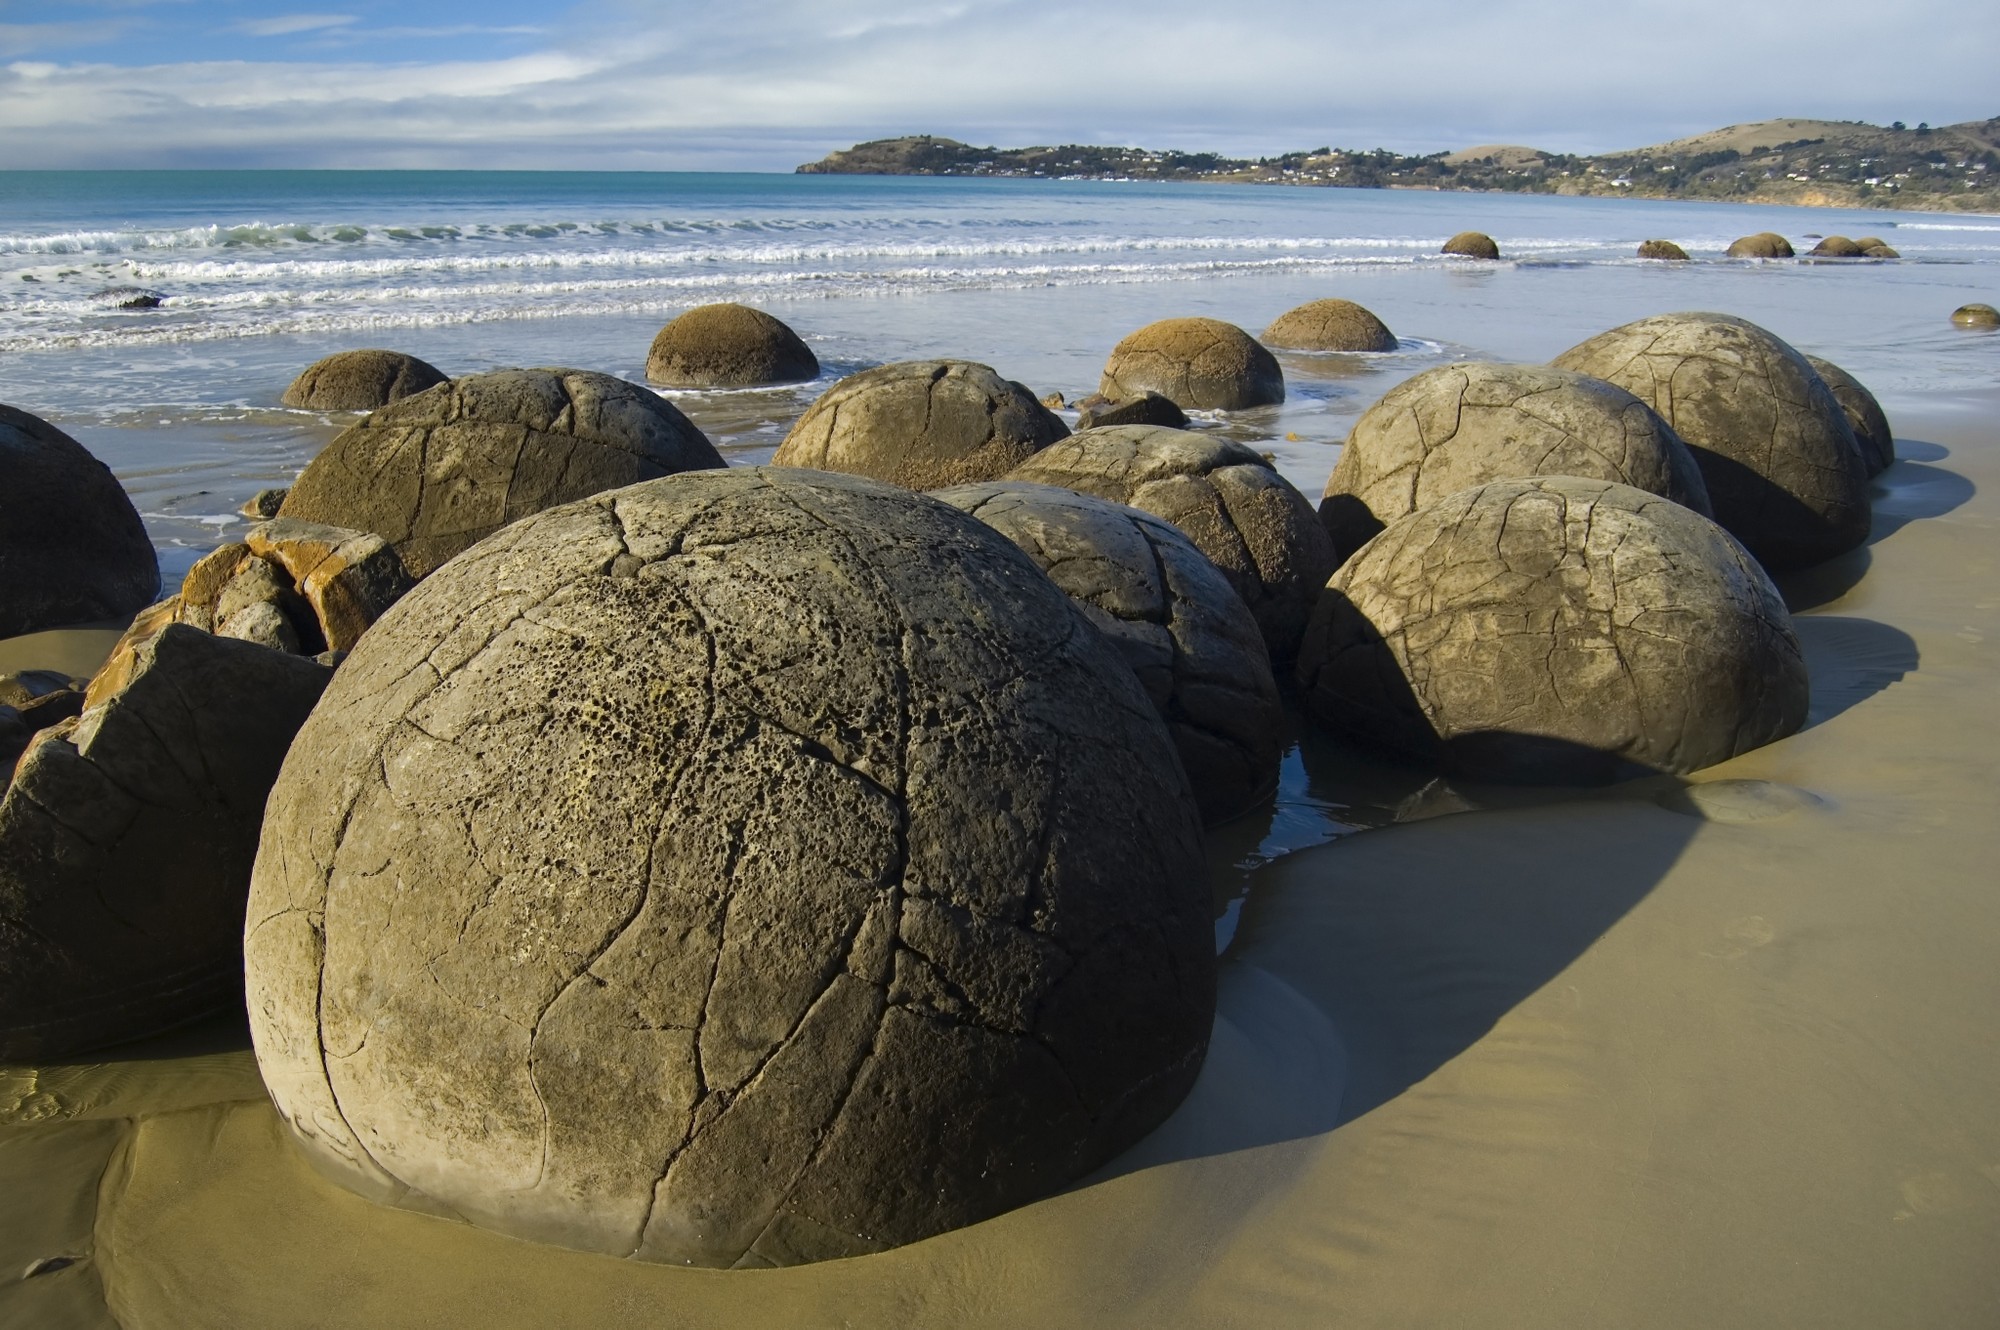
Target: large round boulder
728 346
361 381
921 424
1184 631
1555 629
72 547
1783 470
1662 249
1329 325
1229 500
1201 364
1461 425
1837 247
1976 315
1864 415
434 473
748 867
1472 245
1762 245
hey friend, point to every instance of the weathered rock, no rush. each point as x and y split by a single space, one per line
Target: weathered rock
126 839
264 504
780 870
19 722
1199 364
1097 411
1837 247
1762 245
1976 316
361 381
72 547
1053 401
1230 501
18 690
1184 631
1555 629
1783 470
1457 426
1662 249
1329 325
434 473
1864 415
921 424
1878 251
727 345
259 604
1472 245
349 578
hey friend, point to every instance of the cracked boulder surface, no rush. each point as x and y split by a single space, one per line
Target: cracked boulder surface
1456 426
727 345
361 381
434 473
1229 500
126 839
1181 627
1198 364
1864 415
921 424
72 547
744 868
1784 473
1329 325
1555 629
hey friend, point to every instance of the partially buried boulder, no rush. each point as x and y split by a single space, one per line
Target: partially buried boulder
434 473
361 381
1783 470
744 868
1230 501
921 424
1145 409
1329 325
1662 249
1184 631
1762 245
1456 426
1472 245
72 547
1838 247
1555 630
1201 364
728 346
1874 247
1864 415
1976 316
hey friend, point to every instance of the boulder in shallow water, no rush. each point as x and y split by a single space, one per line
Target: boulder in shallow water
1329 325
1472 245
1146 409
361 381
1976 315
1199 364
1762 245
1837 247
1864 414
727 345
1662 249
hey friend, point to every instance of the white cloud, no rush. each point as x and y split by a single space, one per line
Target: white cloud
284 25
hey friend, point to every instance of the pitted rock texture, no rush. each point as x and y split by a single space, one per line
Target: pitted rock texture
1662 249
1461 425
1976 315
1329 325
1762 245
748 867
434 473
72 547
1555 629
1472 245
361 381
126 840
1783 470
1199 364
728 346
1232 503
1864 415
1184 631
921 424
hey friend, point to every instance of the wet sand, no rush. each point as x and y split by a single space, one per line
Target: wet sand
1711 1053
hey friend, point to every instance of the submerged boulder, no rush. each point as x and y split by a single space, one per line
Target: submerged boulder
728 345
1329 325
1762 245
1662 249
1472 245
361 381
1976 315
1864 414
1200 364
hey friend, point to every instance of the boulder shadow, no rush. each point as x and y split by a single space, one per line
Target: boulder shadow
1851 660
1908 491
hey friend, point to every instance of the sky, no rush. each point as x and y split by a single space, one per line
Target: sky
768 84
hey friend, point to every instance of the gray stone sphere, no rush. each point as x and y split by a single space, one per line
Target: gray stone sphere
1201 364
1762 245
1864 415
1662 249
1456 426
1231 502
361 381
434 473
728 346
921 424
1181 627
1976 315
1329 325
747 867
1783 470
1555 629
72 547
1472 245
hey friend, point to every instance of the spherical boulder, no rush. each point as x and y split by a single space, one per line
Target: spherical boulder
728 346
1878 250
1184 631
1202 364
1837 247
1456 426
1230 501
1864 415
1762 245
1555 629
921 424
434 473
1976 315
1783 470
72 547
361 381
747 867
1472 245
1662 249
1329 325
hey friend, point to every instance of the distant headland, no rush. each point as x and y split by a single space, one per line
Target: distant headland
1811 163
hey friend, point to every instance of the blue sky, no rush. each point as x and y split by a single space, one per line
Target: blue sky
765 84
